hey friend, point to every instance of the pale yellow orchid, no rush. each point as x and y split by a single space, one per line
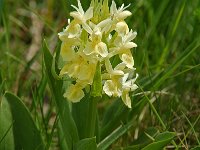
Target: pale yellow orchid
113 84
116 83
70 39
71 68
124 42
83 72
122 28
128 86
90 40
122 47
95 45
86 73
67 51
80 69
74 93
127 58
79 15
119 14
113 87
72 31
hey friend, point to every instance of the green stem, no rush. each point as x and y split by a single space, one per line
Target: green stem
92 113
84 114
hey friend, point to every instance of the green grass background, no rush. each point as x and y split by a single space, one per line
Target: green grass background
167 59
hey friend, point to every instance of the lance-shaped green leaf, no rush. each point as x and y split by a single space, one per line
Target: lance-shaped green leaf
6 126
147 137
119 112
86 144
87 107
105 143
161 140
26 134
67 123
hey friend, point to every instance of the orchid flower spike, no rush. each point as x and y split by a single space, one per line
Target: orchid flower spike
90 41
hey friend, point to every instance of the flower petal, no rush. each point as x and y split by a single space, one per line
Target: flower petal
87 28
128 59
109 87
105 25
129 45
123 15
88 49
74 30
108 66
64 70
118 73
131 35
74 93
88 14
120 66
77 16
87 72
126 99
134 87
113 8
80 7
101 49
122 28
67 52
125 77
63 36
118 41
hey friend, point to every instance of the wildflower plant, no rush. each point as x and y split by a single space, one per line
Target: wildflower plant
92 40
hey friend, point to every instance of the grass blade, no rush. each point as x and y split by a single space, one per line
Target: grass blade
86 144
104 144
168 72
161 140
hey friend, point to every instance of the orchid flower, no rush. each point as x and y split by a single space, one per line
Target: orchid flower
95 45
79 15
119 14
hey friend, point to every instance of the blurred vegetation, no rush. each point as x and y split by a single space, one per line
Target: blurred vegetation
166 29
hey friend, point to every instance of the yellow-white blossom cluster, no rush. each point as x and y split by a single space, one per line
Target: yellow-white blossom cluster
99 34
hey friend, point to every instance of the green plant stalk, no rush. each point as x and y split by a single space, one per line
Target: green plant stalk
95 94
84 114
92 113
